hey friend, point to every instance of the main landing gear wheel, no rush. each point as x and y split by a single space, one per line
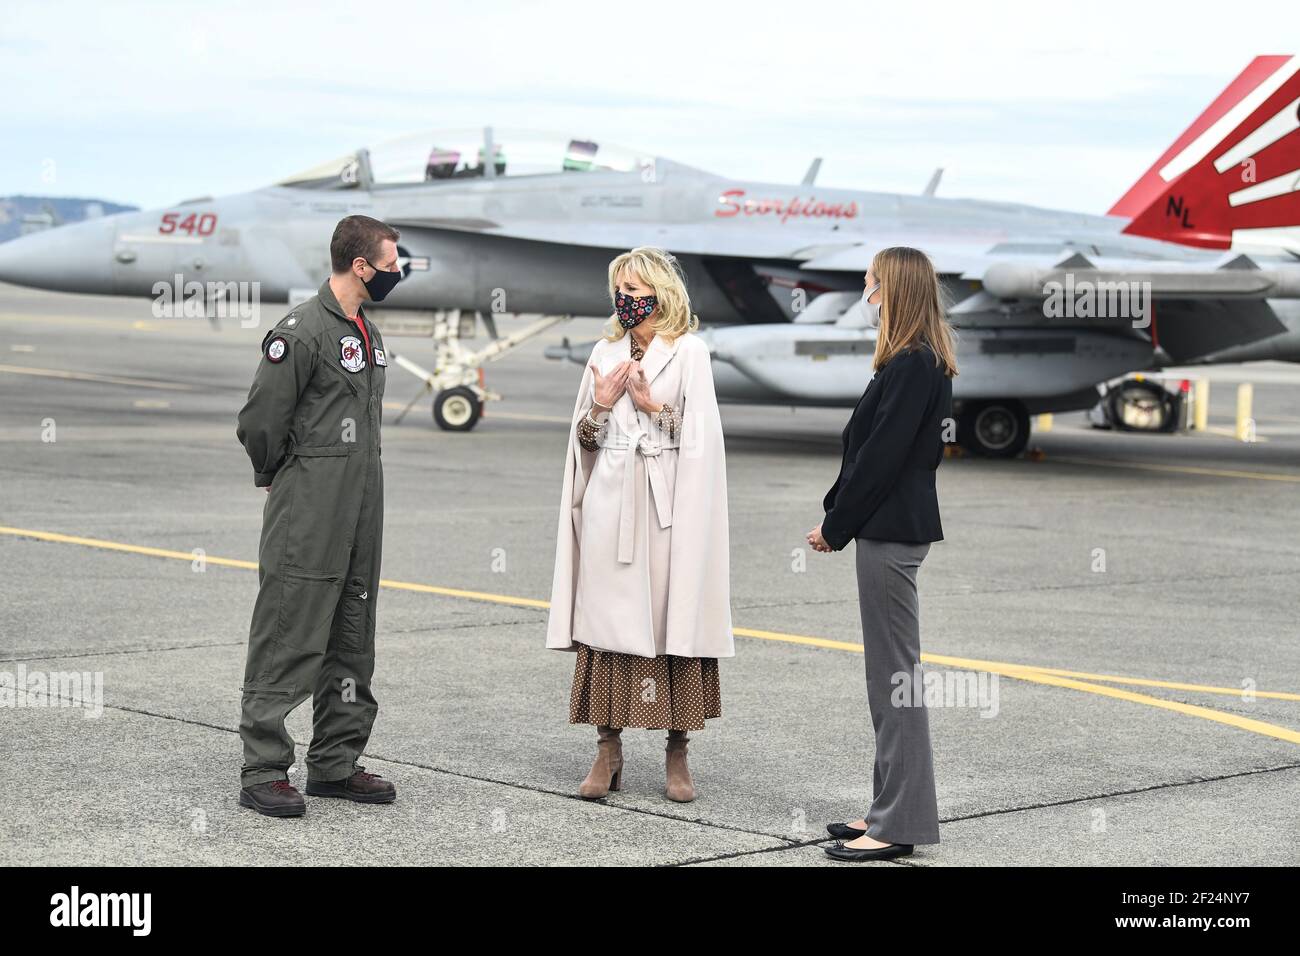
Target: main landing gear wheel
993 429
457 409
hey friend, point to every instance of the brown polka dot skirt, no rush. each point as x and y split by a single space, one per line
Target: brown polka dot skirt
658 693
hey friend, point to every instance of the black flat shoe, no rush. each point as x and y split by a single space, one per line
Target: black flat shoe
841 852
842 831
361 787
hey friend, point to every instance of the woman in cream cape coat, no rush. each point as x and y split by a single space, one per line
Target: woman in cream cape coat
618 502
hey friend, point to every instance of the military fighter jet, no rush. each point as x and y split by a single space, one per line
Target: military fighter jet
1197 262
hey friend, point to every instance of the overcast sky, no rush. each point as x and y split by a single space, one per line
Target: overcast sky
1053 104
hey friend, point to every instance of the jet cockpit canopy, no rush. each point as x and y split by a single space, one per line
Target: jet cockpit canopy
457 154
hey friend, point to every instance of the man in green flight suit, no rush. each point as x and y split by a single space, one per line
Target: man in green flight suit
311 429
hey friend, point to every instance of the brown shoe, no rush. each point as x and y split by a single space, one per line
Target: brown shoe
275 798
680 786
606 773
361 787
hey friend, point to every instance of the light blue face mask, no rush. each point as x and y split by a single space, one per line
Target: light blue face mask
873 311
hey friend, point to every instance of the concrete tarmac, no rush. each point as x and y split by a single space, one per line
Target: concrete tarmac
1124 605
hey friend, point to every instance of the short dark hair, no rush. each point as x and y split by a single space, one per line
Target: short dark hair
358 236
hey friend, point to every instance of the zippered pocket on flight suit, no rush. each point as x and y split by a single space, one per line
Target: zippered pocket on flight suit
352 623
308 600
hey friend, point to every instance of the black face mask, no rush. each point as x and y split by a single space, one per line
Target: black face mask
382 283
632 310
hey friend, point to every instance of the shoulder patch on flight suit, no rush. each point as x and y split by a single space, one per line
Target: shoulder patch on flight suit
276 349
275 333
352 355
380 358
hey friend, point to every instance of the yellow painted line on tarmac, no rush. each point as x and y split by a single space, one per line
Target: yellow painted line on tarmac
57 538
1054 677
471 595
1181 469
92 377
1031 673
967 663
822 642
1190 710
1237 692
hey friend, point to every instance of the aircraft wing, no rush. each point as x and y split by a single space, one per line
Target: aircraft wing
1189 311
966 259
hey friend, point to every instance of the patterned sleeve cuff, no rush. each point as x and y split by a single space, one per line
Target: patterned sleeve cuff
669 419
589 432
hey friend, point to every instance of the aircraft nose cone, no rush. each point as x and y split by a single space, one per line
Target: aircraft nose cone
73 258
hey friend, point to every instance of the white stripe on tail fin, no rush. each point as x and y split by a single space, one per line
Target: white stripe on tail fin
1232 181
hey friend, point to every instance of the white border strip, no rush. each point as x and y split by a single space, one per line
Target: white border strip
1200 147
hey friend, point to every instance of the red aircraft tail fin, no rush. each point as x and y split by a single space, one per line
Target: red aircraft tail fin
1233 179
1145 191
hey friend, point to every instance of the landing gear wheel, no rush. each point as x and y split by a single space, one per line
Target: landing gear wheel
457 409
993 429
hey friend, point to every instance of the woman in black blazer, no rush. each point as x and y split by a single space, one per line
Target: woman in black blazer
884 498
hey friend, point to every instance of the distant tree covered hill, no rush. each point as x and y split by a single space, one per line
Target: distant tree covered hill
19 214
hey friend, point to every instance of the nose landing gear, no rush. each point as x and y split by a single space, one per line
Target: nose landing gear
457 409
459 395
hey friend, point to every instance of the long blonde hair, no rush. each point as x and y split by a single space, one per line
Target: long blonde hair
911 307
661 271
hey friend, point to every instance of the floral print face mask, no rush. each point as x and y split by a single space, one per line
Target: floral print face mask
632 310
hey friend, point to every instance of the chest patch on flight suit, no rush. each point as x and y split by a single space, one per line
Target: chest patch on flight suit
276 349
380 358
351 354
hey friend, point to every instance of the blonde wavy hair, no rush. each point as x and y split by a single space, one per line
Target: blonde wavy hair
912 307
661 271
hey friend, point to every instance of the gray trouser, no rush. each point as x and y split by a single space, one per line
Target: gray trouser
904 807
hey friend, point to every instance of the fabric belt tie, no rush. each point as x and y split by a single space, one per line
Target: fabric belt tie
649 450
